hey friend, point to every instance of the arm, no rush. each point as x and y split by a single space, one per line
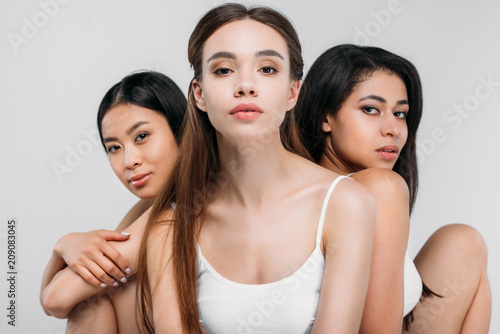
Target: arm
134 213
166 316
383 311
67 288
83 252
347 244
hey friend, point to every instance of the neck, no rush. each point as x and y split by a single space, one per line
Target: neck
330 160
255 171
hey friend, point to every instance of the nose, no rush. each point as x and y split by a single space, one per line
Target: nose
390 126
132 158
245 85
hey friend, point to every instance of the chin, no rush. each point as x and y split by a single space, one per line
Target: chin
383 165
142 193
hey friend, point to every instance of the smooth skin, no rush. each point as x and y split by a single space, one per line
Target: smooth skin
453 259
251 65
139 141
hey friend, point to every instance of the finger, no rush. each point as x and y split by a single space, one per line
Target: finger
111 270
89 277
117 258
114 235
99 271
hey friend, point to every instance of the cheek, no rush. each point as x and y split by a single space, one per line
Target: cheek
117 167
113 161
404 136
162 151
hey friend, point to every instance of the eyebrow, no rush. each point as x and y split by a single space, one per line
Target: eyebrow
129 131
267 53
381 99
258 54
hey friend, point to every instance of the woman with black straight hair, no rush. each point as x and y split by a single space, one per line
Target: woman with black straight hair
359 111
139 121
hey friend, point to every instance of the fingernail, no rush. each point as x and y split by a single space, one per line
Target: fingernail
103 285
125 234
128 271
123 280
116 284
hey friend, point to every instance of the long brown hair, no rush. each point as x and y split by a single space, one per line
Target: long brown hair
195 174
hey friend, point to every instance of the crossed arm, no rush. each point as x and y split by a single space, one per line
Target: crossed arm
63 289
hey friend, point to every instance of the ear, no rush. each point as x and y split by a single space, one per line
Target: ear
294 94
198 95
328 122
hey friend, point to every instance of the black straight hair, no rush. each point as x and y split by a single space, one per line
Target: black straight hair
148 89
331 80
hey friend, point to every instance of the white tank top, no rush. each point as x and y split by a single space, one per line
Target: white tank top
413 284
285 306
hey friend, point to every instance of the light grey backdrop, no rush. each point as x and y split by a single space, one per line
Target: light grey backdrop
58 58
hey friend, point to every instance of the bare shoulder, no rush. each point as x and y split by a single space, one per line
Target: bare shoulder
383 183
392 199
351 197
350 216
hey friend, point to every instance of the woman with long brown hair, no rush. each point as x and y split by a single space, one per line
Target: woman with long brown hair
359 111
261 240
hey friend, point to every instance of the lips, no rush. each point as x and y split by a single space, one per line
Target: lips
388 152
139 179
246 107
246 111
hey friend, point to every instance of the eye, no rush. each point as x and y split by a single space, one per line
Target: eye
370 110
141 136
112 148
401 114
268 70
223 71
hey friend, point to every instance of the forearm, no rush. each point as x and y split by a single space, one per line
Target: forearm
56 263
65 290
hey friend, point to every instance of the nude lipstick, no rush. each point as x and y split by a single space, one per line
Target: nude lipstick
388 152
139 179
246 111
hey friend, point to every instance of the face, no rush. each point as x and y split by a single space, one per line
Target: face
246 87
370 128
140 146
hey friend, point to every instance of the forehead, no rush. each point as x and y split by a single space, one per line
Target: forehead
387 85
124 115
245 37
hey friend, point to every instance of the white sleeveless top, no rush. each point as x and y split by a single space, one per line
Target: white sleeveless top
285 306
412 283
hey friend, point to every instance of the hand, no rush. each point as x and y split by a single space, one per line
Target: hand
90 255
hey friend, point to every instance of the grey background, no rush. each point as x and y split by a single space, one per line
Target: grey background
52 82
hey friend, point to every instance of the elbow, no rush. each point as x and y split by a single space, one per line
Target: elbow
54 305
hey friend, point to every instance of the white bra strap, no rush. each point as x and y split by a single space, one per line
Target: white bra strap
325 205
